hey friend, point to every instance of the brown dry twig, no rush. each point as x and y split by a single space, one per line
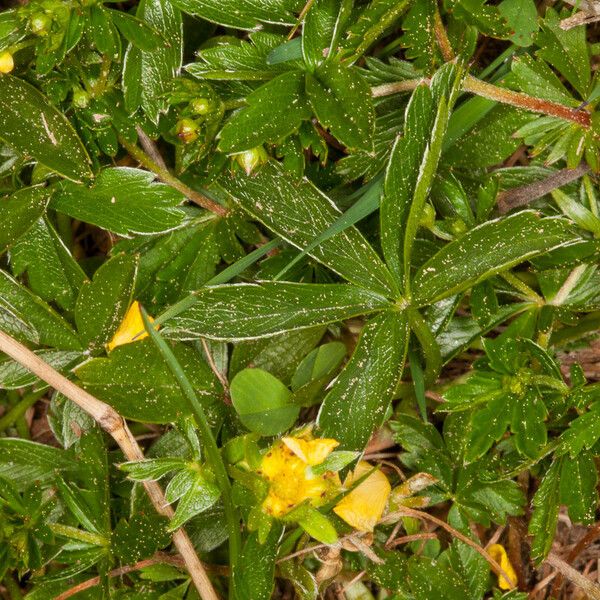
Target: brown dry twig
112 422
520 196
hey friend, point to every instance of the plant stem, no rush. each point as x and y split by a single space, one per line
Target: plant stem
20 409
166 177
498 94
431 349
112 422
523 195
522 287
520 100
213 454
569 284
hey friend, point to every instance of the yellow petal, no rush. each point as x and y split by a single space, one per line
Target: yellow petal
7 63
498 553
312 452
362 507
129 328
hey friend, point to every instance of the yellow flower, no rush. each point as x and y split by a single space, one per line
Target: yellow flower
498 553
129 328
285 467
363 506
7 64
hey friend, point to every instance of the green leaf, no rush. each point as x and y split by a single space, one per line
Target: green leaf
577 212
136 31
147 76
315 371
583 432
419 35
578 480
13 375
488 425
527 423
151 469
33 127
262 402
370 24
279 355
431 580
485 17
239 59
488 140
140 537
411 169
341 100
254 576
536 78
19 212
304 582
522 19
122 200
103 302
23 314
274 111
241 14
52 272
361 395
135 380
299 213
248 311
23 461
566 50
200 496
316 524
546 503
487 250
323 26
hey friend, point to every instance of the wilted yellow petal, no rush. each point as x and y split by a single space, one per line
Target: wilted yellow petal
362 507
312 452
129 328
498 553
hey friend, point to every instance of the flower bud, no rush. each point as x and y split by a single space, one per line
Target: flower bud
427 216
250 159
40 23
81 98
7 64
201 106
187 130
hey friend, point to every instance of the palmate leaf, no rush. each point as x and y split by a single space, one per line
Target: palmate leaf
361 395
248 311
299 213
